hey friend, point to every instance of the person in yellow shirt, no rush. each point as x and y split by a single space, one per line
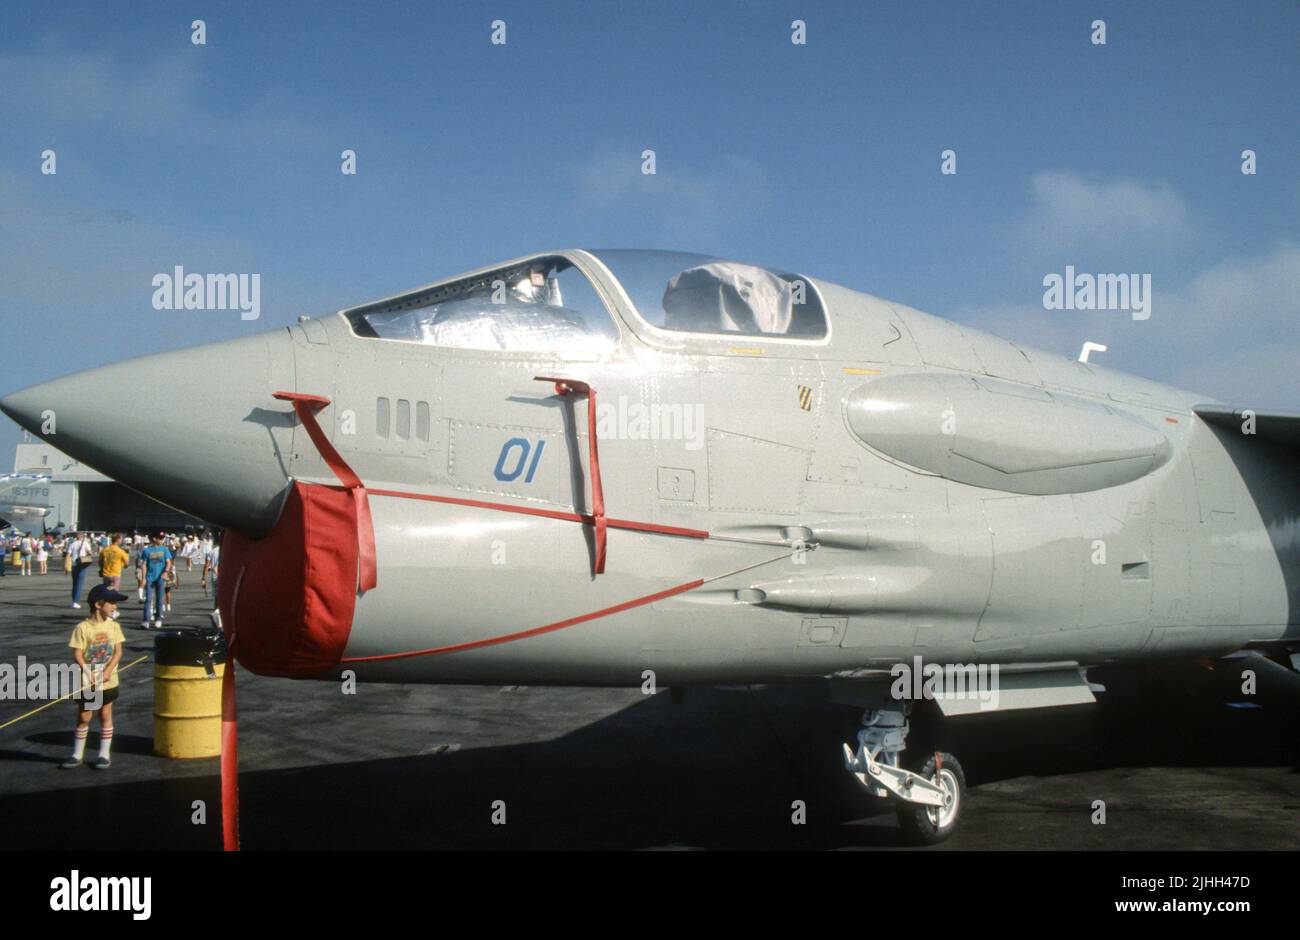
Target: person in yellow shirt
97 648
111 562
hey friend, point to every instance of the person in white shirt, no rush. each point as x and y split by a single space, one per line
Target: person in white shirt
190 551
84 554
211 564
26 546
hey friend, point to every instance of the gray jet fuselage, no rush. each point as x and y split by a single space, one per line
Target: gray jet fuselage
902 486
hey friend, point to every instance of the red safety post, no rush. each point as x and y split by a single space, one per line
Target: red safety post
566 387
229 752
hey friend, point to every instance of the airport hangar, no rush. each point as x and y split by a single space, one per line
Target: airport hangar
50 490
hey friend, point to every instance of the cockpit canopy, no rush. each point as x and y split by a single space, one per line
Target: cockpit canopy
546 304
689 293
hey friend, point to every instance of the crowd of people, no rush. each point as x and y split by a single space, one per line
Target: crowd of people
161 561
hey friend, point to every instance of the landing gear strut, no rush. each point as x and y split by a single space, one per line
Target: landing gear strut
928 801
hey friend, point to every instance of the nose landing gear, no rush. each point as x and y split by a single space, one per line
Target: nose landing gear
929 825
929 801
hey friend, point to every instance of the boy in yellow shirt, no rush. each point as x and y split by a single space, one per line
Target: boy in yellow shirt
97 648
111 562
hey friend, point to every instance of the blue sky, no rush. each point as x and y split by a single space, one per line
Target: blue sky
822 158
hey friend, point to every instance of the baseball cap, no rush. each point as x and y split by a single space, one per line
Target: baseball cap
101 592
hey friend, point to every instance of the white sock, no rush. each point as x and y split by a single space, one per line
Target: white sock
79 742
105 740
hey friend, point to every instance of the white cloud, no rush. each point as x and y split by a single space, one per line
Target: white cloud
1237 329
1263 377
1251 299
1071 213
1232 332
58 88
683 204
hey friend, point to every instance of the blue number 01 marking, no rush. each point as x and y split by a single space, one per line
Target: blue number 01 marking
524 447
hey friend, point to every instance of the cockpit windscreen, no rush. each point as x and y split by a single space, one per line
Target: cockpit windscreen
544 305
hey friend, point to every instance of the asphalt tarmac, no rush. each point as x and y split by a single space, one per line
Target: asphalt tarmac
421 767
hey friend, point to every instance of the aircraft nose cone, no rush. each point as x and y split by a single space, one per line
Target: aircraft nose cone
19 407
197 429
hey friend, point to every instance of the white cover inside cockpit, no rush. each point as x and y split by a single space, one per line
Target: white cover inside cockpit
480 324
526 318
726 297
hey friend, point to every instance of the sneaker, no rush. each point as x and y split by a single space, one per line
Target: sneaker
116 614
76 606
101 763
70 763
144 624
157 624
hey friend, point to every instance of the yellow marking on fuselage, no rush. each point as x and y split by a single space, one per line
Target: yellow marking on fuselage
850 370
746 351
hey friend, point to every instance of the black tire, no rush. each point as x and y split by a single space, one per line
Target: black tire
926 825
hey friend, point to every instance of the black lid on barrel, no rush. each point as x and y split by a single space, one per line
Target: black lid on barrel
189 647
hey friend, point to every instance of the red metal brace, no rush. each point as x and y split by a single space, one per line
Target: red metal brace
566 387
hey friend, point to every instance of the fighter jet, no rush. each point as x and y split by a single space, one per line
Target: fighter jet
655 469
25 498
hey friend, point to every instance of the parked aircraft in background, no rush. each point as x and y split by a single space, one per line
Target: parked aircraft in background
25 499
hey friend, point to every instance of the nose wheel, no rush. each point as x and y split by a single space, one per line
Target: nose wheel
929 801
928 825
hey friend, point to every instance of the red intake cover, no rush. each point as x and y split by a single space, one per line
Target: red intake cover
290 597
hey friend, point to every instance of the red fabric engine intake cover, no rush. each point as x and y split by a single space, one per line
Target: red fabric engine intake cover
289 597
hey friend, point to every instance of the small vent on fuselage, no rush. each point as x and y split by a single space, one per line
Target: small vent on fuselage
1136 570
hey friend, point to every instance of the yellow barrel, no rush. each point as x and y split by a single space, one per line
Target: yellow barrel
187 672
